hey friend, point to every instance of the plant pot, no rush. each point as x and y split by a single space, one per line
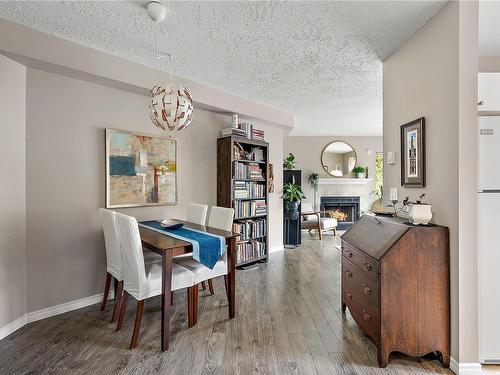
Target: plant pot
420 214
360 175
292 208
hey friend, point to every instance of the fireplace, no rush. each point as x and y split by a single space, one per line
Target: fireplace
344 208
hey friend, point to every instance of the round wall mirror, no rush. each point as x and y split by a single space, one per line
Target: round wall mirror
338 159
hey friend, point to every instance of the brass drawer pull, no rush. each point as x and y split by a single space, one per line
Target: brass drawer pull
349 253
366 316
348 295
367 266
367 290
348 273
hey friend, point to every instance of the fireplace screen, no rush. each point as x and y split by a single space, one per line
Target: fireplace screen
344 209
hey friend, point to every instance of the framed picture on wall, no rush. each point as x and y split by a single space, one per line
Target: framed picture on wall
413 153
141 170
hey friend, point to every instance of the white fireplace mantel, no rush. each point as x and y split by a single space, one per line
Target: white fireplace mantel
343 181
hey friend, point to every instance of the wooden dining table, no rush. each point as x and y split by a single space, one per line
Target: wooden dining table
169 247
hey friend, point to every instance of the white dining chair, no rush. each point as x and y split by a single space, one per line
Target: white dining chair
219 218
140 280
197 213
114 268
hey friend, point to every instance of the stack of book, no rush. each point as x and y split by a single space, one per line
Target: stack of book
249 250
250 229
254 172
233 131
257 134
244 189
243 171
249 208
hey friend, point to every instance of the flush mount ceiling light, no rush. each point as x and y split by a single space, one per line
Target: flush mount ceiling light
171 105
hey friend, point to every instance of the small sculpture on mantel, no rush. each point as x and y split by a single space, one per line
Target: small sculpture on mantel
398 210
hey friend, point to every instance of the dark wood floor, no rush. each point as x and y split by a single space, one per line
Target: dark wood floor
288 322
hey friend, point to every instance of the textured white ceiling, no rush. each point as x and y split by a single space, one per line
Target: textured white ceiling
319 60
489 28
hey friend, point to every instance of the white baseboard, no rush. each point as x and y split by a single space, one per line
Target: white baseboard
466 368
276 248
51 311
13 326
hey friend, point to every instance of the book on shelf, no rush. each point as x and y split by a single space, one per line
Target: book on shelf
244 189
244 171
250 229
249 208
246 251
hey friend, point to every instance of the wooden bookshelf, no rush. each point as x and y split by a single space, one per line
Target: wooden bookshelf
227 163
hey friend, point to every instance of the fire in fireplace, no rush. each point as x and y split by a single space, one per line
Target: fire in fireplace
343 208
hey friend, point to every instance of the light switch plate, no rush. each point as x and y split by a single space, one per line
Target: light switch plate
391 157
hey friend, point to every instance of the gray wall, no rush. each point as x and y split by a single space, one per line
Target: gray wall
12 191
423 78
66 184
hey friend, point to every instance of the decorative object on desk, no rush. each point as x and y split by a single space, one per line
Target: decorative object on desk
171 105
271 178
289 162
419 213
338 159
313 180
359 172
292 195
141 170
413 153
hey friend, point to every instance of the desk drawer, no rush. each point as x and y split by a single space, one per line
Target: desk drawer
367 287
364 313
365 263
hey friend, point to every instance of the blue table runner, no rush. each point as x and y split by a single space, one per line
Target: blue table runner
207 247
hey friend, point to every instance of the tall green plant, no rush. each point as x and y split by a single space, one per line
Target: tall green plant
292 192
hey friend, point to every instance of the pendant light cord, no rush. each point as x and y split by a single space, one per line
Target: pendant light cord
159 57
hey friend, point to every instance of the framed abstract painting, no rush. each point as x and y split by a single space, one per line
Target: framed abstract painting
141 170
413 153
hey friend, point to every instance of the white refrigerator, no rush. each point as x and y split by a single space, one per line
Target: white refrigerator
489 239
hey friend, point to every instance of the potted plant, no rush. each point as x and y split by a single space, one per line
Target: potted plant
420 213
289 162
359 172
313 180
292 195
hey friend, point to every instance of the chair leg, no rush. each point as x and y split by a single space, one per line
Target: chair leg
319 231
171 298
211 286
190 304
107 285
193 305
123 307
118 301
225 285
137 325
203 286
335 232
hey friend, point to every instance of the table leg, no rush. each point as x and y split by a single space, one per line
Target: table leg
166 298
231 269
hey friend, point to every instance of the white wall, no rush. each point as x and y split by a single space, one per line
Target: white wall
12 191
66 179
423 78
308 150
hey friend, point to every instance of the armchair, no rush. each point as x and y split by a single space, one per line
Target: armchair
321 221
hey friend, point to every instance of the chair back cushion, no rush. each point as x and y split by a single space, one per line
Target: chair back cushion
221 218
134 273
112 242
197 213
